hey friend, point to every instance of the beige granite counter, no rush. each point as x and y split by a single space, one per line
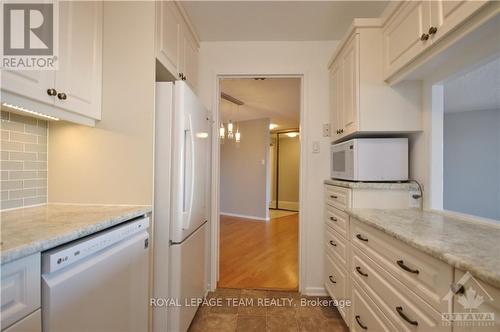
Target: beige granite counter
373 185
29 230
465 244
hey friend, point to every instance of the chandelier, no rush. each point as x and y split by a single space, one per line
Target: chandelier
230 130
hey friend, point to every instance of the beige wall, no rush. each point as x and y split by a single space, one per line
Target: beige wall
309 59
243 171
113 162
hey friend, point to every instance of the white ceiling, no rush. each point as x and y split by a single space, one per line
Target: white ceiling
475 90
275 98
277 20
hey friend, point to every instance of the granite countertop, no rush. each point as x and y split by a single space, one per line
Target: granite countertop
373 185
469 245
29 230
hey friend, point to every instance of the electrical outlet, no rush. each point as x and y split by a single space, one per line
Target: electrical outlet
326 130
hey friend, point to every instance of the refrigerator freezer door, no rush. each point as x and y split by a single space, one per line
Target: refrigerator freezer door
190 161
187 279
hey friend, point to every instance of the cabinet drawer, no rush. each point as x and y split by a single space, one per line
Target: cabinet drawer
336 246
366 316
430 278
338 197
20 286
490 304
404 308
32 323
338 220
336 283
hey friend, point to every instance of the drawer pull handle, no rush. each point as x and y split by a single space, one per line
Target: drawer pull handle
333 243
331 280
333 219
358 268
457 288
334 196
406 268
364 327
361 238
402 314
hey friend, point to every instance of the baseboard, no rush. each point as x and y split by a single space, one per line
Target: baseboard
315 291
244 216
287 205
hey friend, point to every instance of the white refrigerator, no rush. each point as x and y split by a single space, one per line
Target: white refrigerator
181 204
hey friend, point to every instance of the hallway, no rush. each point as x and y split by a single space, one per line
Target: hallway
259 255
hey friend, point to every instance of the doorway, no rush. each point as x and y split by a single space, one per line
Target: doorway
259 172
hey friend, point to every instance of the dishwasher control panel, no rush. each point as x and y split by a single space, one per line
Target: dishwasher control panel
72 252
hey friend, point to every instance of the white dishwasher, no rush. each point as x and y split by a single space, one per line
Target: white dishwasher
99 283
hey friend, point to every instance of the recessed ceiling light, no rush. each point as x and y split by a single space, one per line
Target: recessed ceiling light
22 109
273 126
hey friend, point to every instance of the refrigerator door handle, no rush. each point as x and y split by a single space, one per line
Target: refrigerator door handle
188 171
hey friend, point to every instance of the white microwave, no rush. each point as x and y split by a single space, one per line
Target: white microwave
370 159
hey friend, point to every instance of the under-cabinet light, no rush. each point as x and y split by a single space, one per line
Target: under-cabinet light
22 109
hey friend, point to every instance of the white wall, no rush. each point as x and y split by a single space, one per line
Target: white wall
303 58
113 162
243 171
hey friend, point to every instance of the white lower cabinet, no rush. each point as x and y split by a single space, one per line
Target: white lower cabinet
406 310
20 290
31 323
366 316
337 284
486 314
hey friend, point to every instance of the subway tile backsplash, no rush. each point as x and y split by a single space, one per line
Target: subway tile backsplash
23 168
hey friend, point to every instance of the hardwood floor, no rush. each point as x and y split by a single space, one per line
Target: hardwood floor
259 255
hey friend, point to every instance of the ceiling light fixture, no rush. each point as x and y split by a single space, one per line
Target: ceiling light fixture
273 126
292 134
22 109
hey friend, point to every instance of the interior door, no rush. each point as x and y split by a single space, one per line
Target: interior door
79 75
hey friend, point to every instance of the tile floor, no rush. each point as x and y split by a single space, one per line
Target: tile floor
263 316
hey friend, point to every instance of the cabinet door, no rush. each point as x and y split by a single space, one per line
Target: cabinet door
31 323
402 35
79 75
446 15
336 101
168 43
189 58
350 68
32 84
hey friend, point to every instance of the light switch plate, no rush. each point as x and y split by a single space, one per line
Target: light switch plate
316 147
326 130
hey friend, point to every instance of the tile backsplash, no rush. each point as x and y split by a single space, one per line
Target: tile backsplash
23 169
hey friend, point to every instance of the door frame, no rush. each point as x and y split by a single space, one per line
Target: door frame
215 174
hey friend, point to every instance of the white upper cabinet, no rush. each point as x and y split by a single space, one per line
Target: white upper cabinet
405 36
73 92
176 44
78 81
415 26
350 72
360 100
167 35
